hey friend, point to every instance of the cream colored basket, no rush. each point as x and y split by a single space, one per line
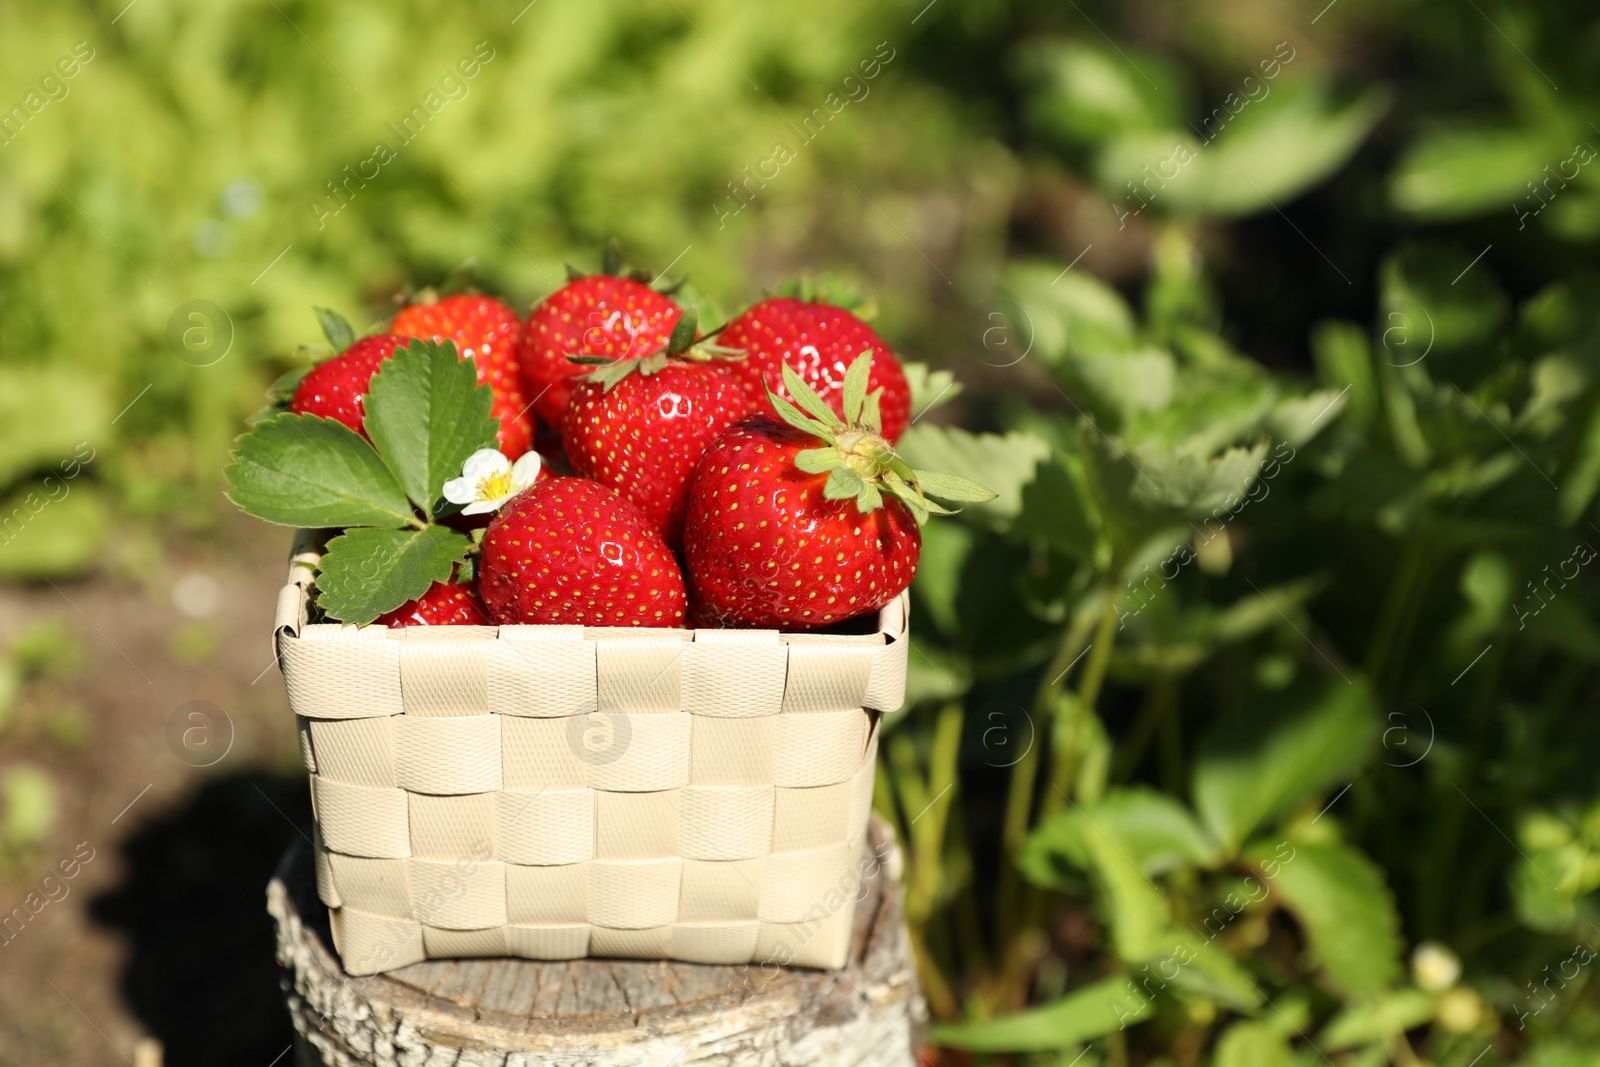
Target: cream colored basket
552 792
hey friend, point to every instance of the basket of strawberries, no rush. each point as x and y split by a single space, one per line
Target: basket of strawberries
619 697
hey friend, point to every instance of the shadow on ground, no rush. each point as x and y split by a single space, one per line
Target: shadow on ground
201 974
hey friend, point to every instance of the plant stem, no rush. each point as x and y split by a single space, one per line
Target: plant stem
1065 762
927 827
1394 606
1019 798
1161 702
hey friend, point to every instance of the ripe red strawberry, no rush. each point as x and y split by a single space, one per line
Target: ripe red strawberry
819 342
804 525
641 426
337 388
600 315
569 550
491 335
443 604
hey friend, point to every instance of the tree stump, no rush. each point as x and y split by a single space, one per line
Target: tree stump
627 1013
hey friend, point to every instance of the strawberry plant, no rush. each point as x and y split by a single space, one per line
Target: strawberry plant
426 415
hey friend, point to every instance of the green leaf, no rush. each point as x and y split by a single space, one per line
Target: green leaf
929 388
1429 306
1121 385
1542 887
1078 93
798 419
1157 833
1253 1044
944 548
1003 463
301 470
52 417
685 330
1390 1014
842 484
872 411
1149 486
41 537
1092 1011
426 413
952 487
1277 749
807 398
818 460
1344 362
1048 313
1452 174
283 387
335 328
367 572
1057 507
1340 899
1209 971
1133 906
855 387
1251 155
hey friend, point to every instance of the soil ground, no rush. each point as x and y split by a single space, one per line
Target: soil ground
163 933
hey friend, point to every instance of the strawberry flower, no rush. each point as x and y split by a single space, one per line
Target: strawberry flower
488 479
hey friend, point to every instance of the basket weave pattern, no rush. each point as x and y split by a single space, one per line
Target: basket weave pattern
553 792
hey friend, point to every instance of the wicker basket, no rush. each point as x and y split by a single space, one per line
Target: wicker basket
553 792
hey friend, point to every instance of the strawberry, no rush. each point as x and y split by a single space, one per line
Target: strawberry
818 341
599 315
491 335
337 388
641 425
568 550
443 604
803 525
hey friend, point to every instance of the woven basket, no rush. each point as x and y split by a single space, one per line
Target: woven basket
553 792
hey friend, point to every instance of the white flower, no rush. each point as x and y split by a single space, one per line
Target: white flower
489 479
1435 967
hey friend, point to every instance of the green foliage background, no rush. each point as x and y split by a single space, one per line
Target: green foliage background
1278 333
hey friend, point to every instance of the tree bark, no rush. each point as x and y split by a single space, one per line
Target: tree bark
597 1012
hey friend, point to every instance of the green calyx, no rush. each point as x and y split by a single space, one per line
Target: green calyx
832 290
612 263
462 279
683 347
859 461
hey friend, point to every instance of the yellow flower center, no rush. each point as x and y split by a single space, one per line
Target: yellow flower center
495 486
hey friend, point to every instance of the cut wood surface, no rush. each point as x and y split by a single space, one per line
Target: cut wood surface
649 1013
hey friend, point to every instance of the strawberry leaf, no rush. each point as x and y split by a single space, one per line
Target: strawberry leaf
798 419
871 412
855 387
953 487
685 331
426 413
807 398
336 329
843 484
818 460
929 388
830 289
302 470
611 258
365 573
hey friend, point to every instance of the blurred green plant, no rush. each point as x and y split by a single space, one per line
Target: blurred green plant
1271 669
